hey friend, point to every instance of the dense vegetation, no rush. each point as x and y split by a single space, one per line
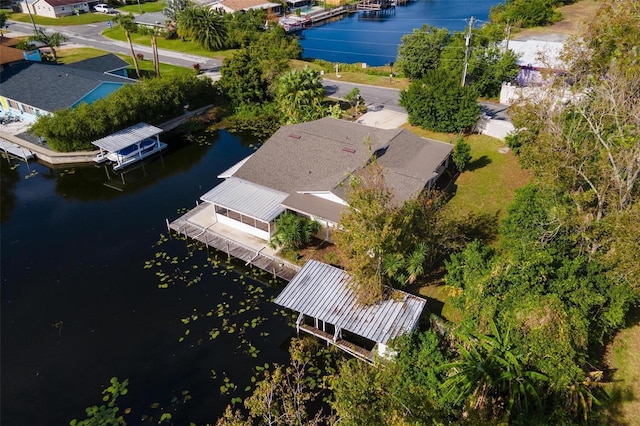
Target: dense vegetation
527 13
152 101
435 62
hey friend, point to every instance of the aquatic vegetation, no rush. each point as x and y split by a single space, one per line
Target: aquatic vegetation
239 314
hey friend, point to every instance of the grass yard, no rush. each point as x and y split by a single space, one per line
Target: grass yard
177 45
489 182
71 55
75 54
83 18
623 356
146 6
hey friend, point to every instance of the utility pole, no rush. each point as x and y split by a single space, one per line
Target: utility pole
466 51
35 30
508 31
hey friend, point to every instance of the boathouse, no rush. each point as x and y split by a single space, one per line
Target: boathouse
303 167
329 310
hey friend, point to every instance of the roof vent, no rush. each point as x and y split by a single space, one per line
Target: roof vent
294 136
349 150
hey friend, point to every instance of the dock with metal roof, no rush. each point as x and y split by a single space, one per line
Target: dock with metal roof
200 224
330 310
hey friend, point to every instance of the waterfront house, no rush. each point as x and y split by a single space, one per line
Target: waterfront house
55 8
303 168
231 6
29 89
329 309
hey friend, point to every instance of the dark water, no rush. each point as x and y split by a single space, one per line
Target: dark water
78 305
374 39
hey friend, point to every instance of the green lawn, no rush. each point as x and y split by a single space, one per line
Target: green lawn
146 6
488 184
68 56
177 45
83 18
623 357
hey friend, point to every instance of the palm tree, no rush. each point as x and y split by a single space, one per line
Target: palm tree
488 372
299 95
133 54
52 41
204 26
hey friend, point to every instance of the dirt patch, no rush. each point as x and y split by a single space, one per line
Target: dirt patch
319 250
574 19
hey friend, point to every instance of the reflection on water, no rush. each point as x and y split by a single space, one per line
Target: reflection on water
93 287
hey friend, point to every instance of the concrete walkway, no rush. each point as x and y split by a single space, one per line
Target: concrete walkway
383 118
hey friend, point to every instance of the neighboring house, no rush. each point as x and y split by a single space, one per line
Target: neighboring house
30 89
231 6
8 52
154 20
55 8
329 310
298 4
305 168
536 57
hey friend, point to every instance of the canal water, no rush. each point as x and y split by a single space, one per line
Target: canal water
374 38
92 287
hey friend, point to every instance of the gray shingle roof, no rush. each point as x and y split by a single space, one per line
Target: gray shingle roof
104 63
49 86
322 291
320 155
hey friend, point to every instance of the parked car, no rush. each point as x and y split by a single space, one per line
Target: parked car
104 8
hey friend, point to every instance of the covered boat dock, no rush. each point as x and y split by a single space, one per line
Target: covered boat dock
329 310
129 145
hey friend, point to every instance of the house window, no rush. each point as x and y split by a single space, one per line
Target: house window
14 104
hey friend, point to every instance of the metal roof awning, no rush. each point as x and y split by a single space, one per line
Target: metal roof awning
322 291
247 198
126 137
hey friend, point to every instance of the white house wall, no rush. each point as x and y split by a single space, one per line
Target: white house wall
243 227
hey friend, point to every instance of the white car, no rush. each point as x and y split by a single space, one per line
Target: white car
104 8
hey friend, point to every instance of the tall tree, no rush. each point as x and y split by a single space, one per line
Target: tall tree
299 95
368 231
437 102
204 25
419 52
133 54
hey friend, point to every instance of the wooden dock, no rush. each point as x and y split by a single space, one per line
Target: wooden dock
351 348
375 5
207 234
327 14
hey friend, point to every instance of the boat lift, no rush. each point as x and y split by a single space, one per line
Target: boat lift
129 145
